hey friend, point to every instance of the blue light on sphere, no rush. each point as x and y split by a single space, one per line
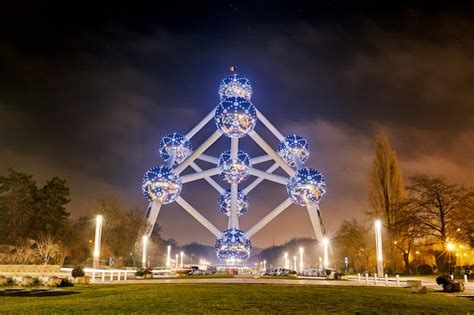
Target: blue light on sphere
162 184
306 186
176 143
233 246
235 85
225 200
234 170
235 117
293 146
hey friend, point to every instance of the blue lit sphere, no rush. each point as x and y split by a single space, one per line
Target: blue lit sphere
225 200
162 184
306 186
235 117
234 170
233 246
293 146
177 144
235 85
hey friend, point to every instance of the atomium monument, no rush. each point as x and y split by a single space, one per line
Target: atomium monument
235 117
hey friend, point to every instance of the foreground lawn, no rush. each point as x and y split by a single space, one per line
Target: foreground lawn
231 298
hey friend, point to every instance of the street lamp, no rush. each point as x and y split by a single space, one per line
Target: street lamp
450 247
287 261
144 254
168 256
378 246
301 259
98 235
326 252
182 258
294 263
264 265
176 261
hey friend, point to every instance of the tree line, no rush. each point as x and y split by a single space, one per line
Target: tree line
430 221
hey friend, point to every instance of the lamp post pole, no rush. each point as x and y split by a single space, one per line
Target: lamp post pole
301 259
378 247
144 251
98 235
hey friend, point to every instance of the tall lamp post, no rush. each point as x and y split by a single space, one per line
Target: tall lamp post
287 261
301 259
168 256
294 263
144 251
98 235
182 258
326 252
378 247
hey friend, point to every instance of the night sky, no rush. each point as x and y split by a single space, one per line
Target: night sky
87 92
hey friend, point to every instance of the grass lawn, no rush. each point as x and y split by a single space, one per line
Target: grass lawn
231 298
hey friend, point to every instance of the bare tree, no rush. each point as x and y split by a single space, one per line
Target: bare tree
48 249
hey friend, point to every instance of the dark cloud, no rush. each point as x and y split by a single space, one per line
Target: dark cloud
90 101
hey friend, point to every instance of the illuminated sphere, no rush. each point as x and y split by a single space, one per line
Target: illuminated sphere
233 246
162 184
235 117
235 85
225 199
234 170
293 146
306 186
177 143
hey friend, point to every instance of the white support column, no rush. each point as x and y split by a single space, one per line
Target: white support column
98 235
200 175
260 159
257 181
170 161
234 148
199 217
233 217
266 219
268 176
269 126
208 158
212 182
378 246
213 138
269 150
201 124
153 215
313 215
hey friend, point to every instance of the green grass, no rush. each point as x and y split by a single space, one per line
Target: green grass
232 298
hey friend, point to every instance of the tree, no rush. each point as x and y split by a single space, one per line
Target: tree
353 240
442 211
27 212
49 249
386 188
17 200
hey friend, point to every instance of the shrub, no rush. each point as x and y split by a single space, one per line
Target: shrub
78 272
449 285
142 271
424 270
65 283
328 272
442 280
10 282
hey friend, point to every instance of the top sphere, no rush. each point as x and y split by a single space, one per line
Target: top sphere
235 117
235 85
177 144
293 147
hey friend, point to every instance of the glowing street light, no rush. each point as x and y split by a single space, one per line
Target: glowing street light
168 257
144 250
294 262
98 234
265 265
378 247
326 252
301 259
182 258
287 261
176 261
